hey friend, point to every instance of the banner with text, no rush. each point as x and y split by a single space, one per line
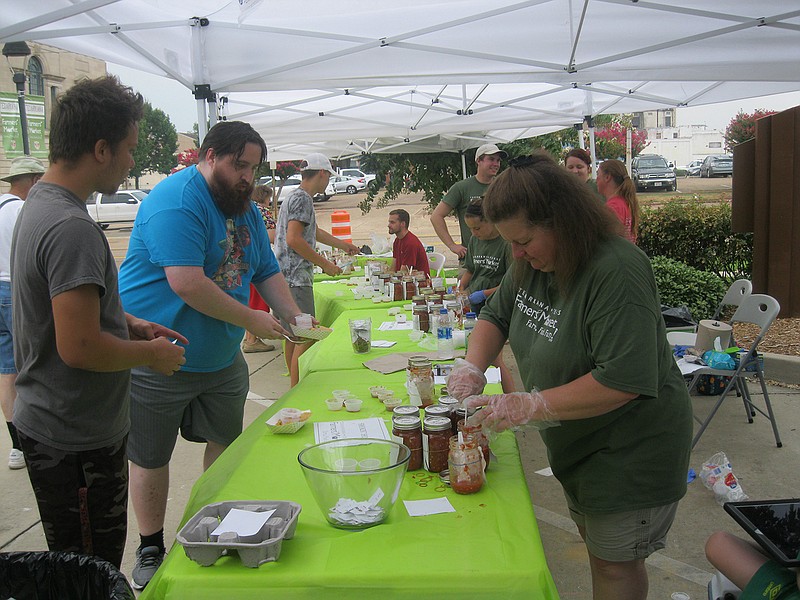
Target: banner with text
12 131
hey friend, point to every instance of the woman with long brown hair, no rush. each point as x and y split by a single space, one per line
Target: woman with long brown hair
619 191
581 312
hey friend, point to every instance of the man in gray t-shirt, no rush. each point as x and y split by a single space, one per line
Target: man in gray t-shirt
73 343
296 238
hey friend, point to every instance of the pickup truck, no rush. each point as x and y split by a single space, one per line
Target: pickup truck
115 208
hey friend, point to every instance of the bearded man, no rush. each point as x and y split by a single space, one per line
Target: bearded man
197 243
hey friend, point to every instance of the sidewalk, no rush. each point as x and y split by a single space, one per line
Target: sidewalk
763 470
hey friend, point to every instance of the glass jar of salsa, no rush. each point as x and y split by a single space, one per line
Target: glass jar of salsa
420 376
465 465
477 433
421 318
436 442
459 413
409 430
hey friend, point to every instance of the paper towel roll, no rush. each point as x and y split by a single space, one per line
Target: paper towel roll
708 331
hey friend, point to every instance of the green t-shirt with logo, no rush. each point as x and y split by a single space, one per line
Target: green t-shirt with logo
488 261
610 325
458 198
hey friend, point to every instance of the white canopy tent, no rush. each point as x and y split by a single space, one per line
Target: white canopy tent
424 75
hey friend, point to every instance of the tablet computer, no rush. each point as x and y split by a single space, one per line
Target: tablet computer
774 524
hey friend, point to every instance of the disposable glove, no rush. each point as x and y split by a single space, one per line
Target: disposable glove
477 297
465 380
504 411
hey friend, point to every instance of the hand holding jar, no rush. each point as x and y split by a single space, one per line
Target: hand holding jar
465 380
504 411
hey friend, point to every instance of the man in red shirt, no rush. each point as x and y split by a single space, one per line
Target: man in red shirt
407 250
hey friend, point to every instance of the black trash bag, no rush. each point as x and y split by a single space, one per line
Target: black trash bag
60 576
677 316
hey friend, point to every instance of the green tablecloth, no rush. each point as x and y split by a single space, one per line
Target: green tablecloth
362 259
335 353
489 548
332 299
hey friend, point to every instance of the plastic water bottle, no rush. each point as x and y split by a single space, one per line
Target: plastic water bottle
469 324
444 336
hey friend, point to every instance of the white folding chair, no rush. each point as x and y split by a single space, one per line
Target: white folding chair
737 292
436 263
761 310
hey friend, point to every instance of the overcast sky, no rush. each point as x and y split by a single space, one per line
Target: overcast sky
178 102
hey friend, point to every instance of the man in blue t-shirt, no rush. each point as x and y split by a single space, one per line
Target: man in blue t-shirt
197 244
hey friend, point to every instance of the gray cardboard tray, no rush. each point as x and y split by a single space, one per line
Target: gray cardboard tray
253 550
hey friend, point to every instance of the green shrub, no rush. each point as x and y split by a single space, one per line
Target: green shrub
700 236
679 285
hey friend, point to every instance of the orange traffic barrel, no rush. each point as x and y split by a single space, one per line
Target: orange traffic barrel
340 226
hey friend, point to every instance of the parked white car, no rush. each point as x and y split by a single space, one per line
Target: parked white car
351 185
369 178
121 207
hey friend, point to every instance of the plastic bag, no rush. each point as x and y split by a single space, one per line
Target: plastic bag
678 316
719 360
62 576
717 475
380 244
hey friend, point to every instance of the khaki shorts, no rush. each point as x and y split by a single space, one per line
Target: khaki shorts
625 536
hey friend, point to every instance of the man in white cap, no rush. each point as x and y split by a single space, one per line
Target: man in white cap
24 172
296 238
458 197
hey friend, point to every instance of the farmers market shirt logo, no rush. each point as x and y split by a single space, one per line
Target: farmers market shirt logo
490 263
542 319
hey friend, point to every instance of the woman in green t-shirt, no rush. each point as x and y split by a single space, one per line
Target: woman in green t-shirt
581 311
486 262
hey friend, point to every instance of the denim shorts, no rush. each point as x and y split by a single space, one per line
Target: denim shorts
6 341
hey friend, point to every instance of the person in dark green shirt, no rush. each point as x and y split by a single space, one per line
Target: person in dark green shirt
487 260
582 313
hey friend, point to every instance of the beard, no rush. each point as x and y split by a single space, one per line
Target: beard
232 201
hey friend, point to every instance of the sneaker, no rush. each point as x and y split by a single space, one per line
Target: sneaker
16 459
147 562
257 346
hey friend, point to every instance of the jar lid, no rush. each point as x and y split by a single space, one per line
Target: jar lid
444 476
462 410
437 423
406 422
405 410
449 402
449 297
437 410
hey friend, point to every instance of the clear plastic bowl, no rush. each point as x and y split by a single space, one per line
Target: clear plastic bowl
360 498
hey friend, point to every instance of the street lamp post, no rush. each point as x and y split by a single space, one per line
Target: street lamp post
20 49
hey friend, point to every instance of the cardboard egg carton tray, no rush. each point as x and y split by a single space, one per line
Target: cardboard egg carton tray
253 550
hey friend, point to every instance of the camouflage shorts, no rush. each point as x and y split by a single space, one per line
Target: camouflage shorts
82 497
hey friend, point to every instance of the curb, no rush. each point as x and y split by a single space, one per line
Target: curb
781 367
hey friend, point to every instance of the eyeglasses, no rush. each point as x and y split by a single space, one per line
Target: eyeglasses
521 162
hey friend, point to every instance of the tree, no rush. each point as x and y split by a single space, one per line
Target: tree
158 142
610 141
186 159
743 127
433 174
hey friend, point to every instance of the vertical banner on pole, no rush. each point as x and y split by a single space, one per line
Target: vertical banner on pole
12 130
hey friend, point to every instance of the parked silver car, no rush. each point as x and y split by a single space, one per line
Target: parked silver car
717 165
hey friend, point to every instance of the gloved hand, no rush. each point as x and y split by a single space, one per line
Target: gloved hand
477 298
465 380
504 411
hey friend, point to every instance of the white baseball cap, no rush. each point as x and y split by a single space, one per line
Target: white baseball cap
489 149
317 162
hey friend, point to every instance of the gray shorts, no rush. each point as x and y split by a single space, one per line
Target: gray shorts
626 536
304 298
205 407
